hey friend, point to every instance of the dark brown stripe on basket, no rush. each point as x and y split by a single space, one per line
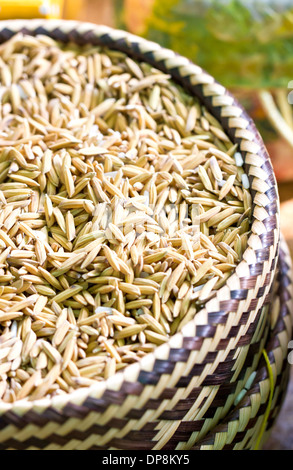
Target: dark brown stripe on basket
249 282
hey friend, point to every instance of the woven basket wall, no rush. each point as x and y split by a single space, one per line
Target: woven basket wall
182 396
241 429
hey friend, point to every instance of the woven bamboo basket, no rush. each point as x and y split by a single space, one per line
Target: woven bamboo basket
185 395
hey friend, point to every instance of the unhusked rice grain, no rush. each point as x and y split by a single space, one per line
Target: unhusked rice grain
123 209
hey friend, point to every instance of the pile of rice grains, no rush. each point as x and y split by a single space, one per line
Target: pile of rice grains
123 207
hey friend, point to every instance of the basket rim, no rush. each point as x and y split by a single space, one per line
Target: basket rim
261 176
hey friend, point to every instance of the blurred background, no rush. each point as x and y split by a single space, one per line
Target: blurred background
247 45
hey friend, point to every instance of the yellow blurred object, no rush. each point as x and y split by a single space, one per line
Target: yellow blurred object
136 13
14 9
72 9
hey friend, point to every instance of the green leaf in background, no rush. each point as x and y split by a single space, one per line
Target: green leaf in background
242 43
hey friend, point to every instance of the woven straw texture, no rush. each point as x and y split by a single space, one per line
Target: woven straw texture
242 427
183 395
